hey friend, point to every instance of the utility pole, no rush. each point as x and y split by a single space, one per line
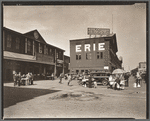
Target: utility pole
112 23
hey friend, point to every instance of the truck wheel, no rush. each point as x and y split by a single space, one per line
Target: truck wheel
104 82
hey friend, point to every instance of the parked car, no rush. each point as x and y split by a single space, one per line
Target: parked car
101 77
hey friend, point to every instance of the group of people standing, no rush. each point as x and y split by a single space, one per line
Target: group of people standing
66 76
23 79
118 81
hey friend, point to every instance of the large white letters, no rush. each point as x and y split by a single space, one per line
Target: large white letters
78 48
101 46
87 47
94 47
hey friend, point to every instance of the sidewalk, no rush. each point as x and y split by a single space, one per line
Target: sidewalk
75 87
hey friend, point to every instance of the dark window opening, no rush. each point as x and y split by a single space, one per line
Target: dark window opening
78 57
99 55
29 46
17 43
82 71
88 56
77 71
9 40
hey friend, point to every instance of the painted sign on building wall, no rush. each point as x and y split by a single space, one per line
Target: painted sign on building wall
87 47
59 61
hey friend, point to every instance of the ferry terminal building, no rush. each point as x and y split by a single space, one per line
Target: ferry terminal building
29 52
97 53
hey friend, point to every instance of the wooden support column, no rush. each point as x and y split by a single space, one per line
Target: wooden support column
39 48
3 40
26 45
55 69
63 63
33 48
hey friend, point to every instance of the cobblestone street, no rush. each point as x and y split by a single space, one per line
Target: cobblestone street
49 99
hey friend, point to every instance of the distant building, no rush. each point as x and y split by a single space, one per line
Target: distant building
142 67
97 53
29 52
134 71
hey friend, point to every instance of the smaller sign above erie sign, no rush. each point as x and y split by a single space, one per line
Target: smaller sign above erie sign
98 31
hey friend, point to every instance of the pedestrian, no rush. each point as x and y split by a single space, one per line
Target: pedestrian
95 84
15 78
80 79
69 78
117 83
31 78
52 75
28 78
90 80
84 81
126 77
60 77
122 81
110 81
138 79
19 78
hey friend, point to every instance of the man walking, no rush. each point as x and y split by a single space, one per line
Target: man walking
61 76
127 79
138 79
52 76
69 79
15 78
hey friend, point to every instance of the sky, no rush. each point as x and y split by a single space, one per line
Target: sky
59 24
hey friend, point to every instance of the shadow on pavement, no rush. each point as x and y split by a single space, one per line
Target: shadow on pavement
13 95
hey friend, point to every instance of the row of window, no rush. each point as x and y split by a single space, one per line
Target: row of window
89 56
9 41
41 49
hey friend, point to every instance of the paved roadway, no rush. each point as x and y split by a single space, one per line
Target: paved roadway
50 99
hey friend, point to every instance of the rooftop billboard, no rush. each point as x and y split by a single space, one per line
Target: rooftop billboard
98 31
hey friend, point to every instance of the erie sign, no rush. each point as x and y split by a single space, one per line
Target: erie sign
87 47
98 31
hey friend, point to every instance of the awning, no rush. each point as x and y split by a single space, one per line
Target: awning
7 54
23 57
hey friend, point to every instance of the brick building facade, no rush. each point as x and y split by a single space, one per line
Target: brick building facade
97 53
